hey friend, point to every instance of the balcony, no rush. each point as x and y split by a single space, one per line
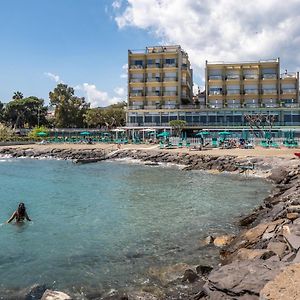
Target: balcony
251 76
215 93
233 92
135 107
289 91
215 77
150 107
170 66
136 94
269 76
252 105
169 106
170 79
136 67
269 91
251 91
153 94
136 80
152 66
153 79
234 105
289 76
169 93
233 77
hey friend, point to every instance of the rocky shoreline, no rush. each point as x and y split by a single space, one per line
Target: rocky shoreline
261 262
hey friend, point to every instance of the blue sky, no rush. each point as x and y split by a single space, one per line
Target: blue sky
84 43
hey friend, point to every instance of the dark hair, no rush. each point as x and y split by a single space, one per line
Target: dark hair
21 209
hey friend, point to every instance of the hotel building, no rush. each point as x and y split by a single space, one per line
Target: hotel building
160 90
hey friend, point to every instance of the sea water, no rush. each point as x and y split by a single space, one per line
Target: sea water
104 225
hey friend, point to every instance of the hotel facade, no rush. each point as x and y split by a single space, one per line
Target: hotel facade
160 83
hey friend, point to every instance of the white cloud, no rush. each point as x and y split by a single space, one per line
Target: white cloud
96 97
125 71
120 91
221 30
53 77
117 4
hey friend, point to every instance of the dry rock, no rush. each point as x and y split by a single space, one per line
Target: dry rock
55 295
223 240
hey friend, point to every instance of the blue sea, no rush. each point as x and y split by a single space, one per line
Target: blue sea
103 225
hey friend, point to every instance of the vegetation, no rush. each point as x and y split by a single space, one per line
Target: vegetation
34 133
177 126
5 133
69 109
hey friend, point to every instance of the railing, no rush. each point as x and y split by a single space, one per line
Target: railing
170 106
215 93
269 91
136 94
288 91
153 66
135 107
233 77
269 76
153 94
170 66
133 80
150 107
252 105
251 76
136 67
215 77
288 75
251 92
168 93
233 92
155 79
170 79
230 105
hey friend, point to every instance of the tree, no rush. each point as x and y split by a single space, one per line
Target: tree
177 126
5 133
259 121
69 109
17 95
25 112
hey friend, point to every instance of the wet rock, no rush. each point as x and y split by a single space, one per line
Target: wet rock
286 285
223 240
208 240
190 276
203 270
55 295
36 292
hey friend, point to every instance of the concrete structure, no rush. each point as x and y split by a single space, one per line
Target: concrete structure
250 84
159 77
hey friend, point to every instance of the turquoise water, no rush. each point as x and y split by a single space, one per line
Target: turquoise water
103 225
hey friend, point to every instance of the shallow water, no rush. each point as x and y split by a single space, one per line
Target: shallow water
103 225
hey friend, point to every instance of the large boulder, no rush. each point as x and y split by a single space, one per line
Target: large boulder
55 295
286 285
278 174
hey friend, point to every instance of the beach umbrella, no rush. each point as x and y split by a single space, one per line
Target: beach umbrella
163 134
202 133
224 133
85 133
41 133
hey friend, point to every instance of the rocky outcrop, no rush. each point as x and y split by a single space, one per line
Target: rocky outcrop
55 295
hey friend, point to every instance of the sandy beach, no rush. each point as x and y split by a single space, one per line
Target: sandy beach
257 152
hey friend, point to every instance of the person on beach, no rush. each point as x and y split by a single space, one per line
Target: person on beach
20 214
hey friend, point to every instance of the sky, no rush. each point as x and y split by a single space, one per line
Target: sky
84 43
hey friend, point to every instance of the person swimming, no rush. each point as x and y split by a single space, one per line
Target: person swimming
20 214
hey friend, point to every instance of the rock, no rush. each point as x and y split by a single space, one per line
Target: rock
223 240
208 240
55 295
278 174
278 248
249 254
36 292
241 279
190 276
292 216
203 270
286 285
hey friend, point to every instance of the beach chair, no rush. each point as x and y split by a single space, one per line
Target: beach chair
273 144
214 143
180 144
187 144
264 144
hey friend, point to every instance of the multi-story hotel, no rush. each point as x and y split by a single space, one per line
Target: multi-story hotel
250 85
160 90
159 77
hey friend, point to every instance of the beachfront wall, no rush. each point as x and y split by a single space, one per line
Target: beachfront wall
210 118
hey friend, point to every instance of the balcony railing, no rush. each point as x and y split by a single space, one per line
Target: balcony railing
169 106
288 91
289 76
252 105
169 93
233 77
215 93
170 79
135 106
251 91
153 66
215 77
153 94
269 91
136 67
150 107
233 105
250 76
136 94
269 76
233 92
134 80
153 79
170 66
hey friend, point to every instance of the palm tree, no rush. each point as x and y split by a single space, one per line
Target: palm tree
17 95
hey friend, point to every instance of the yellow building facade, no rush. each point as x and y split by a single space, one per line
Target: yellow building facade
159 77
250 85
